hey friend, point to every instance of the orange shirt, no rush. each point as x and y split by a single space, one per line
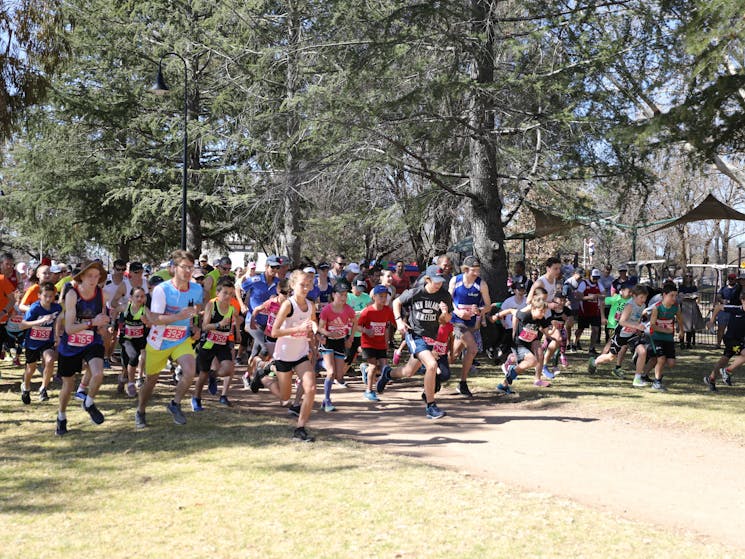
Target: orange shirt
31 295
6 292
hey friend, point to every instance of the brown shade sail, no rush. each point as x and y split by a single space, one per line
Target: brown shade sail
709 208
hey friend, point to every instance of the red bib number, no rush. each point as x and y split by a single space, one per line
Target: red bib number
40 333
80 339
133 331
174 333
217 337
528 335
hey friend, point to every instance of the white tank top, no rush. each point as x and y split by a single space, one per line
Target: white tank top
293 348
549 287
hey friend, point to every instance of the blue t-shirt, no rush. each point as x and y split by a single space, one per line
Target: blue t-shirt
259 291
38 337
168 299
464 297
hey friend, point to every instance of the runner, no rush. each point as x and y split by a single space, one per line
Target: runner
337 326
729 294
84 318
400 280
41 276
734 343
358 300
174 305
591 311
569 290
662 322
134 319
223 269
373 322
218 323
257 289
39 322
470 296
428 306
294 327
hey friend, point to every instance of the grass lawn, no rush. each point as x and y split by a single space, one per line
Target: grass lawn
231 484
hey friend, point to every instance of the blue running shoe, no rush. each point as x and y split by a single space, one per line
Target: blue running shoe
212 383
385 376
547 373
433 412
196 404
505 389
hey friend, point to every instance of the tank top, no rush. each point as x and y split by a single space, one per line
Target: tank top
465 297
295 347
85 309
665 319
635 317
549 287
133 327
220 336
590 308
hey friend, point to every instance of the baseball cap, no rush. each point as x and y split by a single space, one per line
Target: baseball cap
354 267
341 287
360 282
731 276
378 289
595 273
324 266
272 260
56 269
625 285
284 260
434 273
518 285
252 265
309 270
623 268
471 261
197 273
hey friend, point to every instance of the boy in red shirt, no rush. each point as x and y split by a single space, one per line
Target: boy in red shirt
372 323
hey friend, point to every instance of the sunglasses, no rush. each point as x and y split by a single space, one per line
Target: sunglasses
275 267
119 269
284 292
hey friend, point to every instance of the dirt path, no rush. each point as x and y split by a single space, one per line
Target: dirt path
686 481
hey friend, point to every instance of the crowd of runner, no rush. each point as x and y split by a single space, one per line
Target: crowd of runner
285 326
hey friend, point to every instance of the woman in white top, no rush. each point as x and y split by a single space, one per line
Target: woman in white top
293 328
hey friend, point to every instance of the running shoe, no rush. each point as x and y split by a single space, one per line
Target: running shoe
327 406
140 422
563 360
646 378
294 410
131 390
196 404
246 381
107 363
370 395
212 383
396 357
341 383
639 382
657 385
225 402
255 384
61 427
542 383
80 395
383 380
17 361
94 412
726 377
363 372
712 384
505 389
43 395
463 390
547 373
26 396
300 434
617 372
591 367
140 382
433 412
175 410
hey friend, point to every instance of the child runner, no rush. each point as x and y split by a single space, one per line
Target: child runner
358 299
373 322
84 315
556 343
39 322
133 337
294 327
734 343
218 323
529 323
337 326
665 315
428 306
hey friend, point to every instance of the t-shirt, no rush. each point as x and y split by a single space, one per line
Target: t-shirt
400 283
168 299
736 326
511 303
528 329
617 303
61 283
370 317
41 336
339 324
665 319
730 295
258 291
6 291
424 309
358 303
31 295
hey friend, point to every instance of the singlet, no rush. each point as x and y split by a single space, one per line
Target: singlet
295 347
635 317
590 308
465 297
665 319
736 325
221 335
85 309
133 328
169 299
549 287
321 297
42 336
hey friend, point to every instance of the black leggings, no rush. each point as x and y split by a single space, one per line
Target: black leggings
131 351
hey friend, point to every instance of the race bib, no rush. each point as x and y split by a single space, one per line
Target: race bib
626 331
40 333
528 335
378 328
440 347
217 337
269 323
664 323
14 323
337 332
133 331
429 341
80 339
174 333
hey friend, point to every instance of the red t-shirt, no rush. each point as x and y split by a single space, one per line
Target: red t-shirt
375 319
401 283
338 324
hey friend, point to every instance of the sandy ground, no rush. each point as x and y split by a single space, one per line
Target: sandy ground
685 481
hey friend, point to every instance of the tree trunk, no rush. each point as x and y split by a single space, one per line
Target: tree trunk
194 161
484 208
122 249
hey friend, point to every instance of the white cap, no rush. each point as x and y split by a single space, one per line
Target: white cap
354 267
309 270
595 273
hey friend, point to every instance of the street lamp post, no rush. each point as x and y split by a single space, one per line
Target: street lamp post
161 88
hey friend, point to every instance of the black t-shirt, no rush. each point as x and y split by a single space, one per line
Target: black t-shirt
736 325
423 309
527 329
562 314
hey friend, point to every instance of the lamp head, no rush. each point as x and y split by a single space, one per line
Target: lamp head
160 87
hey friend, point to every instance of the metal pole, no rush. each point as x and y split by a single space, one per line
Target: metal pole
184 174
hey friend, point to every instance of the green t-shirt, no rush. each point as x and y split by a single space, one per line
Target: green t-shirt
358 304
616 303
